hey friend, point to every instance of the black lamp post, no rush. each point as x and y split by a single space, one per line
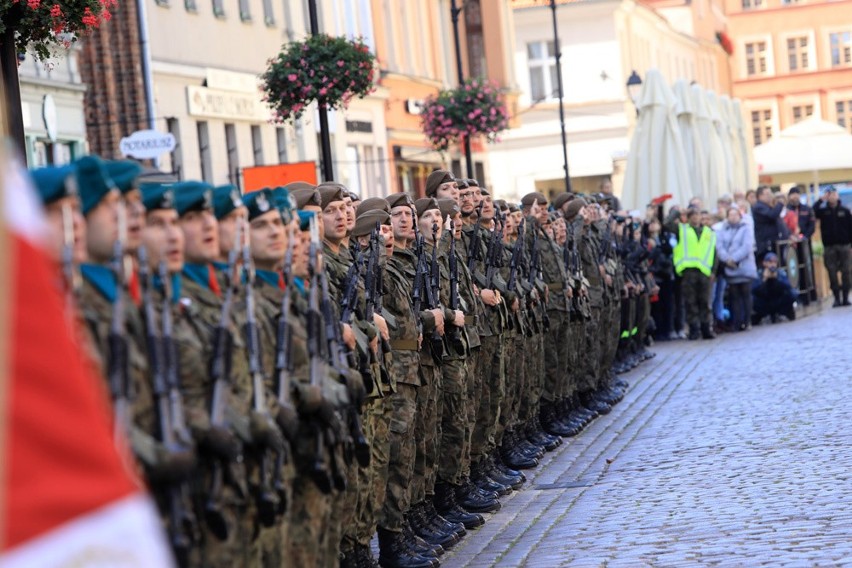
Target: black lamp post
11 91
634 86
561 94
454 13
325 141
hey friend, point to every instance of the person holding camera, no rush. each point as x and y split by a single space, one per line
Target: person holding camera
835 222
772 294
735 250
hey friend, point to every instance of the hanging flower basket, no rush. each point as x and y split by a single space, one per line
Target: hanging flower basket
725 41
43 25
329 70
473 109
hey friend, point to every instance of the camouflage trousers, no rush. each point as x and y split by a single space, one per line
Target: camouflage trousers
402 450
490 396
576 345
533 377
555 356
514 384
310 514
427 432
238 548
377 418
593 350
468 417
454 440
609 331
272 541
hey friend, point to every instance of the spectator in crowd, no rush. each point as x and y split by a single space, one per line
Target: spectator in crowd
735 249
694 260
835 223
800 219
662 269
751 198
722 205
605 187
772 294
696 203
768 226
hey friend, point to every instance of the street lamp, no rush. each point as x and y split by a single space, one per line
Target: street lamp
561 95
455 10
634 86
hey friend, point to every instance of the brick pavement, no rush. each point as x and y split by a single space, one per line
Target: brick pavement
734 452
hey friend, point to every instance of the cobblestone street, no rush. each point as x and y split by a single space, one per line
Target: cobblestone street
734 452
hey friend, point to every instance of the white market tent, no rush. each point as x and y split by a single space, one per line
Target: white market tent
811 151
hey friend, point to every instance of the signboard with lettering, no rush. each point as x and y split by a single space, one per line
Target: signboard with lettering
258 177
232 105
147 144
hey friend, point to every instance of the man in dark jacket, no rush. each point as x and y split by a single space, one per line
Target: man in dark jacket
806 223
835 223
772 293
769 228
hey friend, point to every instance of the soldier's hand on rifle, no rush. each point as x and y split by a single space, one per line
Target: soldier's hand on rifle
569 292
516 305
584 292
608 280
288 420
382 324
602 270
221 442
439 320
458 319
419 341
625 291
348 336
374 345
499 297
264 432
489 297
170 466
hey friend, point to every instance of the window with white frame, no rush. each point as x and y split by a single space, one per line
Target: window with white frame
843 110
841 48
752 4
755 54
801 112
797 53
544 83
761 125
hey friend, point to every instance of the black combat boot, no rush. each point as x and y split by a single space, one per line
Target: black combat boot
527 448
471 498
837 302
445 504
551 425
694 332
364 557
501 466
707 331
394 552
846 297
593 403
480 478
497 475
546 441
417 544
439 522
432 535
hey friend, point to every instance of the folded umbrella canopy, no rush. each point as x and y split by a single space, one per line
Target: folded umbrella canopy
656 163
693 144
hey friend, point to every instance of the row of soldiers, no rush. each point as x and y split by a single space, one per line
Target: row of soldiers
294 370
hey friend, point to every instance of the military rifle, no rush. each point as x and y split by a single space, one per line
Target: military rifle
454 334
220 373
268 502
474 252
432 272
373 296
118 371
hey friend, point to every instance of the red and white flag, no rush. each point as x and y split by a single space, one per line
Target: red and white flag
66 498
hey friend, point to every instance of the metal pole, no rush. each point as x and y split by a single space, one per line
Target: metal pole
454 13
11 89
325 141
561 104
147 75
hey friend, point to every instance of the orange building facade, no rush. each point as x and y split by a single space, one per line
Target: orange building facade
415 49
792 59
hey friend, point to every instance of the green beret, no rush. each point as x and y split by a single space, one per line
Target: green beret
399 199
372 203
448 208
501 204
304 196
158 196
472 182
123 174
483 191
436 179
366 222
259 203
574 207
562 199
93 182
192 196
425 204
513 208
226 198
533 197
293 186
305 219
54 183
284 202
330 192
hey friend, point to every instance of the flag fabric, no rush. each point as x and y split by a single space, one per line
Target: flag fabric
66 498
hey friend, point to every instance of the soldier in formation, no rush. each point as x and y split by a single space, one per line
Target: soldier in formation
295 370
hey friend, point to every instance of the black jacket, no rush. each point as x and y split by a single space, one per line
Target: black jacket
835 223
807 223
769 228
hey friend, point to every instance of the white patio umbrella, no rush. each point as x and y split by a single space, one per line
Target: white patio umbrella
693 144
656 164
749 169
738 167
714 172
812 150
719 123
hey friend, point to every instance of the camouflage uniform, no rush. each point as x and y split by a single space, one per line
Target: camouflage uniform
589 255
